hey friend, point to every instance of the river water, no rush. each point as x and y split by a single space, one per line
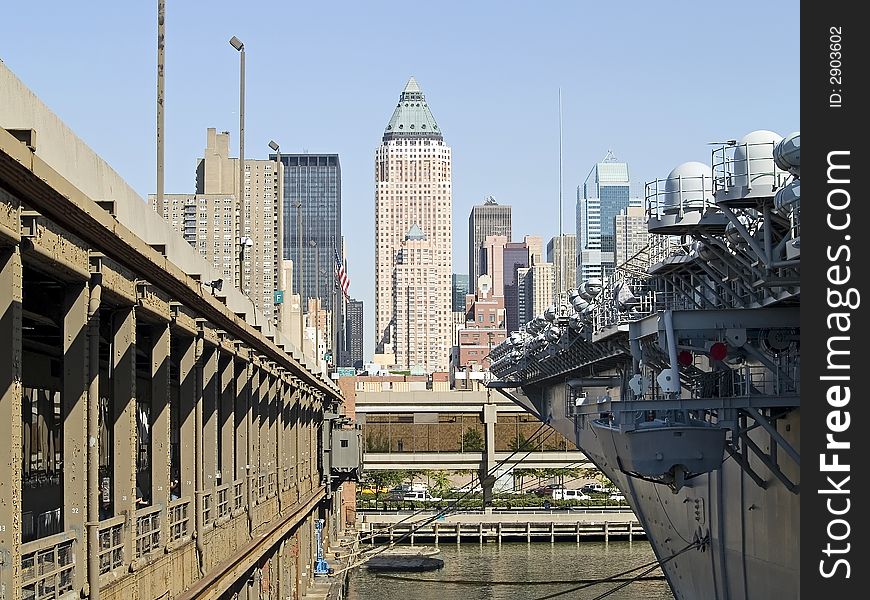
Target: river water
518 571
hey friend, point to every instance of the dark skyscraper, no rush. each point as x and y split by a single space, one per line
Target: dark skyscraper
489 218
314 180
354 335
460 289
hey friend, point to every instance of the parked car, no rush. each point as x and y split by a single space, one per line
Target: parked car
560 494
616 497
546 490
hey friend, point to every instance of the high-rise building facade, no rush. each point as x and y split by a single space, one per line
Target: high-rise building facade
562 253
516 256
354 334
413 190
312 233
605 192
492 261
534 290
630 233
460 286
312 199
489 218
209 220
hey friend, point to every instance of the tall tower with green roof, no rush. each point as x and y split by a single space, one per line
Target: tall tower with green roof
413 194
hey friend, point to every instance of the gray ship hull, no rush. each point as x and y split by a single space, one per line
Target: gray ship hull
753 552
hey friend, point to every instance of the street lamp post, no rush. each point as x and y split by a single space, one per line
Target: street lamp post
244 243
240 47
279 309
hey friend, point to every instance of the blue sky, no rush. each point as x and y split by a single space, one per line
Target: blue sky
652 81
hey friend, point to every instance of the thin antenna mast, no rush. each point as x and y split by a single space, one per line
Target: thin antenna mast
561 282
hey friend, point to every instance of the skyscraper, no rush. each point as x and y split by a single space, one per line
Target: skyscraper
314 182
460 287
354 335
630 233
489 218
515 256
312 197
413 201
604 193
209 220
534 290
562 251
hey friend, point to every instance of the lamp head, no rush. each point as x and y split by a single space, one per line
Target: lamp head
273 145
237 43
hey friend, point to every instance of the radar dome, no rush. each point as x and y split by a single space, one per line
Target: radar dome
753 159
592 286
688 187
787 153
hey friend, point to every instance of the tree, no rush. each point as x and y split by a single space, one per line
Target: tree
472 441
439 481
520 444
376 442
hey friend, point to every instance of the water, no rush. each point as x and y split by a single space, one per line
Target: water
493 568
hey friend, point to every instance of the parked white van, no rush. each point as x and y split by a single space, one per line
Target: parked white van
562 494
423 496
594 487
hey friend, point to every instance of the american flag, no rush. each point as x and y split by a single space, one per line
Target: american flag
341 276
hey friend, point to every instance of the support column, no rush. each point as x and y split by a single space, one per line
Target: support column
75 394
280 424
160 429
272 440
124 429
187 396
294 441
265 463
209 418
227 420
253 434
242 414
487 464
93 426
10 412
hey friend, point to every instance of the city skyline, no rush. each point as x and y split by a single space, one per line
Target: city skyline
496 98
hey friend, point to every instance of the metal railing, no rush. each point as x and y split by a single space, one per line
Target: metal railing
677 195
147 530
179 519
110 544
746 165
47 567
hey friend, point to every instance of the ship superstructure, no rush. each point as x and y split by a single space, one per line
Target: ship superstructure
679 376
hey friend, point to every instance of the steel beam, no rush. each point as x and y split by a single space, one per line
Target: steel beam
30 177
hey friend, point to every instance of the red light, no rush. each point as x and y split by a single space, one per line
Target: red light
718 351
684 358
